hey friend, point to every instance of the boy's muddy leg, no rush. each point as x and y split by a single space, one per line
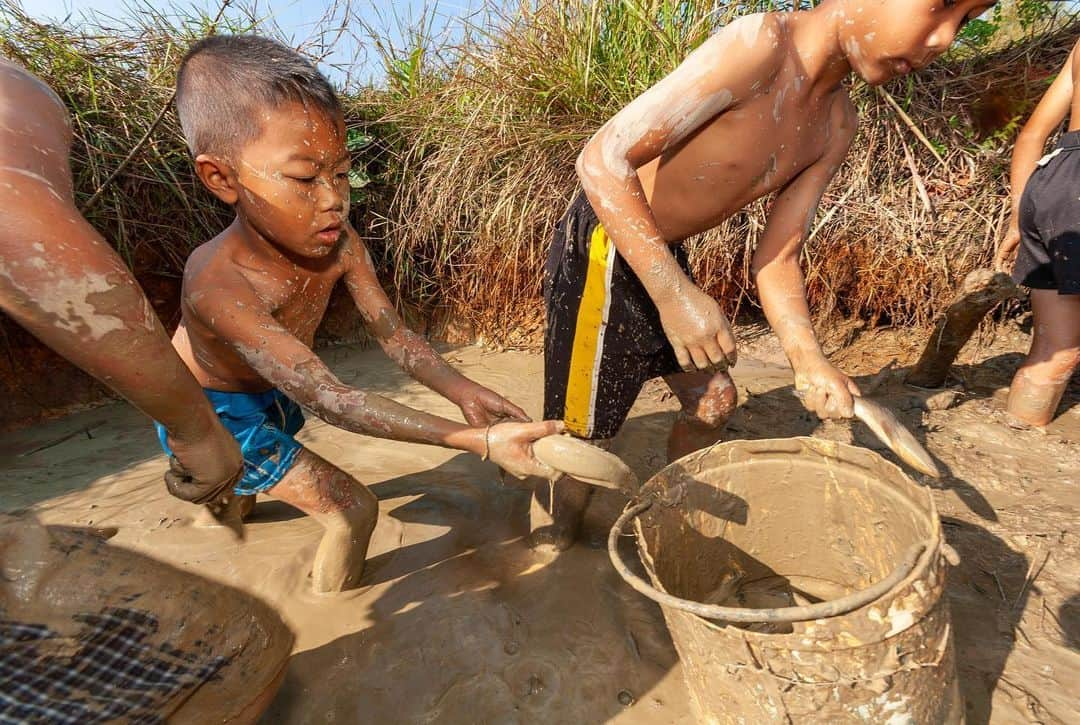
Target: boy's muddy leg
1055 352
708 400
556 510
345 508
980 292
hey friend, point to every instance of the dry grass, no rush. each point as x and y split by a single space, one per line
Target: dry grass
474 146
489 131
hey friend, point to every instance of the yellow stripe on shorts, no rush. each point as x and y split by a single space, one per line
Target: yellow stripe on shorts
589 336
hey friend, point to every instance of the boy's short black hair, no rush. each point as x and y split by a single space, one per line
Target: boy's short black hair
225 81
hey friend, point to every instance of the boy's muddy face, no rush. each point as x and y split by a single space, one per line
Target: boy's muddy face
885 39
294 180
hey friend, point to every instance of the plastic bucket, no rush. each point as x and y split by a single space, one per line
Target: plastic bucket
800 579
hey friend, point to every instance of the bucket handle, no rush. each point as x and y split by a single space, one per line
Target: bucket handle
821 610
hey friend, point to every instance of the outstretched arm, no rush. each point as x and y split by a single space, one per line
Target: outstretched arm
779 277
61 281
480 406
718 74
1029 147
234 312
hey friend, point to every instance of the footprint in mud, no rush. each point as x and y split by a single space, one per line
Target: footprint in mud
534 682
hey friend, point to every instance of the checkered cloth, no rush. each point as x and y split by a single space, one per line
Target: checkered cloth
105 672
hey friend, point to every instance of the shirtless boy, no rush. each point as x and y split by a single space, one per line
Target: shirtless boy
758 108
1046 228
268 138
63 282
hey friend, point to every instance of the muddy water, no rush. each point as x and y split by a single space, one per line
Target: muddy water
457 621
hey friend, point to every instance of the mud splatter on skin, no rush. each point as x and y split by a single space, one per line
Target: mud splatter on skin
81 305
33 177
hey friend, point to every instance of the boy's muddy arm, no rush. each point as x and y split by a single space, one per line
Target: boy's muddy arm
61 281
705 84
236 314
480 406
778 274
1029 147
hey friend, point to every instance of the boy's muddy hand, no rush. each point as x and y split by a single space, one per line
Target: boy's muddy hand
1005 256
482 406
825 391
698 331
509 445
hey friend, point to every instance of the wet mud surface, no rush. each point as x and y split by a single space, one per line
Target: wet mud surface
456 620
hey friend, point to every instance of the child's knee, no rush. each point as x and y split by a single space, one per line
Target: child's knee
362 511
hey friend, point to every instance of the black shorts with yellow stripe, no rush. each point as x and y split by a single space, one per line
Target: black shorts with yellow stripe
603 338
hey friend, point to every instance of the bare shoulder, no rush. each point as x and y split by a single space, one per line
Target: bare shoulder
35 129
758 43
212 278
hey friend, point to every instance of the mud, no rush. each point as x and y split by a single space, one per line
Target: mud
456 620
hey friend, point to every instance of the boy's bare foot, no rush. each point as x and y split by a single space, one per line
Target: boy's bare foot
555 513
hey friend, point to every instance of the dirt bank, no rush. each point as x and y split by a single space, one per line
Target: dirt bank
457 621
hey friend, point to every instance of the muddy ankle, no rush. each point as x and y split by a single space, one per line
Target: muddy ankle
555 514
247 506
339 561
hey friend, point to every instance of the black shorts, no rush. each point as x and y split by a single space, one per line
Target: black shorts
603 338
1049 256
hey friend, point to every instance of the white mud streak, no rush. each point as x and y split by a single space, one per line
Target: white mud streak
457 620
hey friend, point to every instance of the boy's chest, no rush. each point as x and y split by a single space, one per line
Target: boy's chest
298 302
739 156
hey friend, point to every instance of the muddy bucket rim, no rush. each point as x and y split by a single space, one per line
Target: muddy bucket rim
913 560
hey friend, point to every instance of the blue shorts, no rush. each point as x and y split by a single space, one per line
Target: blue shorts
264 425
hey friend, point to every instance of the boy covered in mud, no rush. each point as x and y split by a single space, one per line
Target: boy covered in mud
268 138
758 109
1044 238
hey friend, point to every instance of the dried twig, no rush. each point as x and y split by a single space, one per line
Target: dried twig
57 441
1032 575
910 124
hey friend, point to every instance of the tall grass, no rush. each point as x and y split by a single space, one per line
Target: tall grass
488 132
116 85
469 144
